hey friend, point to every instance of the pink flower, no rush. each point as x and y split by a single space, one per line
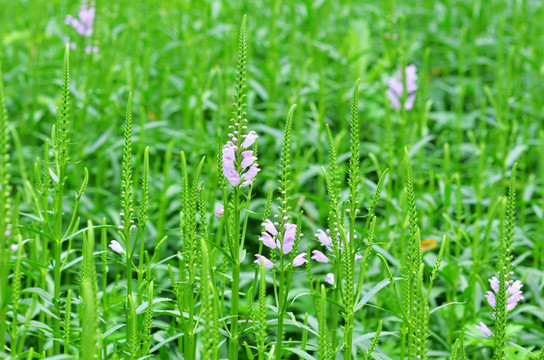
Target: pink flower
323 238
229 170
268 240
250 174
249 139
14 247
83 25
289 237
267 263
91 49
484 329
299 259
220 212
330 278
513 293
235 173
269 226
115 246
395 90
248 159
319 256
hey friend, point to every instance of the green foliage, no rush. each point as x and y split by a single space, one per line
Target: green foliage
427 244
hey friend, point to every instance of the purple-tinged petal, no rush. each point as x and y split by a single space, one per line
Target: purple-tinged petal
484 329
234 178
323 238
357 257
115 246
395 86
514 287
14 247
330 278
247 159
267 240
269 226
287 246
494 282
319 256
299 259
220 212
290 232
267 263
409 104
490 299
249 139
411 78
250 174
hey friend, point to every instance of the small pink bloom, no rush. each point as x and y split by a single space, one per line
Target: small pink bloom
269 226
268 240
249 139
319 256
330 278
484 329
267 263
14 247
115 246
290 232
250 174
494 282
289 237
491 299
323 238
247 159
220 212
300 259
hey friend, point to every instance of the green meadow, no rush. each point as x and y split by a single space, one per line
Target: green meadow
313 179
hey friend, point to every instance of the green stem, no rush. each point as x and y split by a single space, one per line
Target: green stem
233 341
57 253
281 298
128 262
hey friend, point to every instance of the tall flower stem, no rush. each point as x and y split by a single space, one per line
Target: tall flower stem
281 301
233 341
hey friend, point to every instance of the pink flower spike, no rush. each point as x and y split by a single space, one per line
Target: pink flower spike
115 246
319 257
267 240
269 226
220 212
249 139
330 278
299 259
484 329
267 263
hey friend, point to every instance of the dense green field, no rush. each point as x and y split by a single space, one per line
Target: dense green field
384 159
